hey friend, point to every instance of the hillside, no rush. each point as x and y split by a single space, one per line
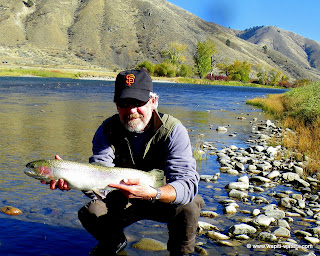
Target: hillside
118 34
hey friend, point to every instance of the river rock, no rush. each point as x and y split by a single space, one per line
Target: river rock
273 175
216 235
10 210
255 212
209 214
238 194
240 229
268 237
238 185
260 179
312 240
149 244
222 129
302 182
282 232
283 223
263 220
290 176
206 226
243 179
277 214
230 209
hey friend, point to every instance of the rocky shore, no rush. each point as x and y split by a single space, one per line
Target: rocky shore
260 169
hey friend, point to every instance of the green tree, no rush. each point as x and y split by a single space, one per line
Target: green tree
238 71
265 49
274 76
174 53
185 71
147 65
202 58
262 74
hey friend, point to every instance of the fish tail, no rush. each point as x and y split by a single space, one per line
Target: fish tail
159 177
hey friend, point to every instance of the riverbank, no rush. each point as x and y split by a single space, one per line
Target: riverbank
99 74
299 111
292 224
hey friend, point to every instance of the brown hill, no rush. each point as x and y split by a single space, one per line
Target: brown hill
119 34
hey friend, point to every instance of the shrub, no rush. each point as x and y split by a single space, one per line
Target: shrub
185 71
147 65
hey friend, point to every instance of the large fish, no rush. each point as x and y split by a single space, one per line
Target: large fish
90 176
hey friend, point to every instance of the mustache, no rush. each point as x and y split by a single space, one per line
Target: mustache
135 115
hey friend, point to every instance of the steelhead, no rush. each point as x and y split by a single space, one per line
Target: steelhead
87 177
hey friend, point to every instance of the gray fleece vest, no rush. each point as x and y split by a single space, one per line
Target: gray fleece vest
154 149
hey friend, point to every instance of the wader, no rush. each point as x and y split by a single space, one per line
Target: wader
105 220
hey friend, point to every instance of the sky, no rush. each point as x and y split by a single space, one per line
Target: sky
299 16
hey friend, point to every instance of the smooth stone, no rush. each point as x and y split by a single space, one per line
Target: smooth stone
206 226
312 240
149 244
238 185
290 176
263 220
209 214
268 237
240 229
284 223
10 210
230 209
256 212
243 179
282 232
216 235
273 174
277 214
238 194
260 179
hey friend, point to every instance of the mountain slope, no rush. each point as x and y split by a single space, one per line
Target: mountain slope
304 51
119 34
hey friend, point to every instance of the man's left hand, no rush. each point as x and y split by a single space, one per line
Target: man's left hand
132 188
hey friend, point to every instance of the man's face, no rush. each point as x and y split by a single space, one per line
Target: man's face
135 115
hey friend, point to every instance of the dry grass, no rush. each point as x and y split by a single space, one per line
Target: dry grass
274 104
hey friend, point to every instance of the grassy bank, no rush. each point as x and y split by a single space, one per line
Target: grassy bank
299 110
75 73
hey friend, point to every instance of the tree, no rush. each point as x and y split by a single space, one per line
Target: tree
264 48
147 65
262 74
174 53
274 76
185 71
238 71
203 55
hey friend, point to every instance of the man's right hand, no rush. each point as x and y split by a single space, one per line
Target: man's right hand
61 184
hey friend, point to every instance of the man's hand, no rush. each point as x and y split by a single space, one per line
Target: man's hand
61 184
132 188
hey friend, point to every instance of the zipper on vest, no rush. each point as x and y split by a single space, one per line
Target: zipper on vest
130 151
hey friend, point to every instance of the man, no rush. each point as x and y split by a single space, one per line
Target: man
140 137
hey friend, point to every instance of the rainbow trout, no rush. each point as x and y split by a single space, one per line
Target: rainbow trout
87 177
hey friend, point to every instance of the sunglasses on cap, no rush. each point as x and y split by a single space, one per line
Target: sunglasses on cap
131 102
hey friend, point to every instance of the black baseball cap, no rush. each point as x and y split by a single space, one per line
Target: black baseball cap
135 84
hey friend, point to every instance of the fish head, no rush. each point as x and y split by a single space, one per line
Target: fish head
40 169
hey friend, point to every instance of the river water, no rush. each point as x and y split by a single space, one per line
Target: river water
41 117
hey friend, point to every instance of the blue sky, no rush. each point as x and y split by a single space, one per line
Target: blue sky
299 16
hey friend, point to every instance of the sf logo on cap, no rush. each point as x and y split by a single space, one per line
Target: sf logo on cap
130 79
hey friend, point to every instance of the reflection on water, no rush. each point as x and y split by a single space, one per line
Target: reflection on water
43 117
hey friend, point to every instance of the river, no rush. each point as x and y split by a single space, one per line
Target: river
41 117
